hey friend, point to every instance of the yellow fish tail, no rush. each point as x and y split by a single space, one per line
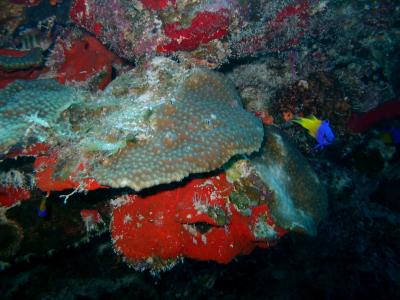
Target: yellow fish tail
310 123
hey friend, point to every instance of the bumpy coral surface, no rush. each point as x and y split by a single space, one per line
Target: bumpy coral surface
171 123
28 109
157 128
272 192
198 133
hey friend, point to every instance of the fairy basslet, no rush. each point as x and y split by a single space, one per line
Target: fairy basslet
391 136
318 129
42 209
395 134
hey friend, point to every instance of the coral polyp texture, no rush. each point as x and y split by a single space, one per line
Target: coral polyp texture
28 109
176 123
154 125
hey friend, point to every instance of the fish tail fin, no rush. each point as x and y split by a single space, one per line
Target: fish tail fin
310 123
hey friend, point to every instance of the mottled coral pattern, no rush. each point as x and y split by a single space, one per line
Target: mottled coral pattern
28 108
196 130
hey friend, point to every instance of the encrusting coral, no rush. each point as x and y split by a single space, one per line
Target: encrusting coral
151 126
28 109
196 127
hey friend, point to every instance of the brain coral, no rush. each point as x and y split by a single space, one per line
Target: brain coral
28 109
172 123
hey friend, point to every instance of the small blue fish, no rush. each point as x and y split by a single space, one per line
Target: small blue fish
318 129
42 209
391 136
395 133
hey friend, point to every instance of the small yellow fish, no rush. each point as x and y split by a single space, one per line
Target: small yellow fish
318 129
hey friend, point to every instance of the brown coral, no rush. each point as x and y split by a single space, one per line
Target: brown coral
199 129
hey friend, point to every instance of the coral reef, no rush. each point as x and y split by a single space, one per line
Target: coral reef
300 201
62 228
93 221
280 26
202 33
195 220
20 60
146 116
29 109
10 195
211 219
11 16
361 59
16 64
135 142
164 110
154 109
82 59
204 28
47 181
197 129
127 30
14 188
259 82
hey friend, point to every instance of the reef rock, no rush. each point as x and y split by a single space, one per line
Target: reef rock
281 177
300 201
11 235
199 32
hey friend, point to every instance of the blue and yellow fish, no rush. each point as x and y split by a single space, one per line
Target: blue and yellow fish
42 209
318 129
